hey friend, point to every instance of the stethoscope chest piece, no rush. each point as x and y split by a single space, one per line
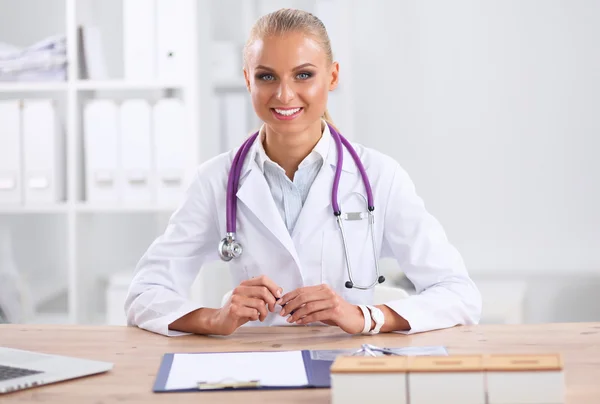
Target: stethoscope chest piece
229 248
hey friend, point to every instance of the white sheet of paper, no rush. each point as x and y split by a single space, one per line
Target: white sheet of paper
270 368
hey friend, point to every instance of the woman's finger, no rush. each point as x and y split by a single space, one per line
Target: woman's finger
267 282
307 295
322 315
311 308
294 293
244 312
258 292
252 303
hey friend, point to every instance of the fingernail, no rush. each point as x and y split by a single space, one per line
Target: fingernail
289 319
279 293
281 312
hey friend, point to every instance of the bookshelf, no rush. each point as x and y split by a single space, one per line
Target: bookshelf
85 243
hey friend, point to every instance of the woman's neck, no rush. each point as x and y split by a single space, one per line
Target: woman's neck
288 150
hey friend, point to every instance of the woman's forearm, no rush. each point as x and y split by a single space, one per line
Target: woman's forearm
393 320
200 321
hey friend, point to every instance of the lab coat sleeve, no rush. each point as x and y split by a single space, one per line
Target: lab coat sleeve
159 292
445 294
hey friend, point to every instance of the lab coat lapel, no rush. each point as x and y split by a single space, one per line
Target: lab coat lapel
318 206
255 194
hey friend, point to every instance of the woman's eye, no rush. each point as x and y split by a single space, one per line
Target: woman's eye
266 77
270 77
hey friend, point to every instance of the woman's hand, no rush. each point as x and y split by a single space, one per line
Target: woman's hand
248 302
320 303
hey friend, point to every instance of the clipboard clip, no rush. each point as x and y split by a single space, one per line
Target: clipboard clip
228 384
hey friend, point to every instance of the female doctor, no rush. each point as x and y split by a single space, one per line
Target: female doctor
303 240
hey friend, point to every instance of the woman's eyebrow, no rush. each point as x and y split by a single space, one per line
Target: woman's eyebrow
295 68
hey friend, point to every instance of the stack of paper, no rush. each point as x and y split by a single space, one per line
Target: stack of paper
45 60
274 369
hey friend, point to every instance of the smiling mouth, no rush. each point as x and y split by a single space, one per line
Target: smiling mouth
286 113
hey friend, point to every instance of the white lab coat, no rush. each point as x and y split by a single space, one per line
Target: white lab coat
313 253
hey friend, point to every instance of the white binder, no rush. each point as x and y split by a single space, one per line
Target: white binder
135 152
10 152
94 55
234 120
174 27
169 145
43 153
139 39
101 134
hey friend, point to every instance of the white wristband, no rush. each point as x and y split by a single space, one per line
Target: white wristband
367 316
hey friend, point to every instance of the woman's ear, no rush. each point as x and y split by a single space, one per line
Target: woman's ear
335 74
247 79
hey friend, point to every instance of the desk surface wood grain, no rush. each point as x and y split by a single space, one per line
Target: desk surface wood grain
137 355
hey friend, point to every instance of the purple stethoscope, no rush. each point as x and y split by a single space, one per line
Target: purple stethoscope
229 248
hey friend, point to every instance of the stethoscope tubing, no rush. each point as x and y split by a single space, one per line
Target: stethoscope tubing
235 249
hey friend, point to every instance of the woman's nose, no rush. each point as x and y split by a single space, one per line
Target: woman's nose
285 93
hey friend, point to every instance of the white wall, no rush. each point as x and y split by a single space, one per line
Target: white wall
492 107
48 19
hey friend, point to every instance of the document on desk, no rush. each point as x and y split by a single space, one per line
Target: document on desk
331 354
273 369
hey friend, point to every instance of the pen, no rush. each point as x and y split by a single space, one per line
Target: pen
291 312
282 305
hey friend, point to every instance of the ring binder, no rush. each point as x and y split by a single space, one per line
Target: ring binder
226 385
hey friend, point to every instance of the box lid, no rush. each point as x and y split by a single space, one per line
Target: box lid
369 364
523 362
453 363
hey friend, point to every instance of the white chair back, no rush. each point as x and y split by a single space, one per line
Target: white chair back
385 293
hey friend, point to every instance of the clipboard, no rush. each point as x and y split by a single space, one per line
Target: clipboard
317 373
316 363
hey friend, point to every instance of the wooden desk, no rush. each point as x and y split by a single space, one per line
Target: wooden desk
137 354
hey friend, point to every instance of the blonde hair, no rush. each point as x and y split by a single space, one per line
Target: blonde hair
288 20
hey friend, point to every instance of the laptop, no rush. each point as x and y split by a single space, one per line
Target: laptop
25 369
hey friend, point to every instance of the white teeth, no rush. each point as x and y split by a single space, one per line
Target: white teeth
287 112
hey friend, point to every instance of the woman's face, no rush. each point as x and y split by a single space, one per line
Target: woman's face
289 78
